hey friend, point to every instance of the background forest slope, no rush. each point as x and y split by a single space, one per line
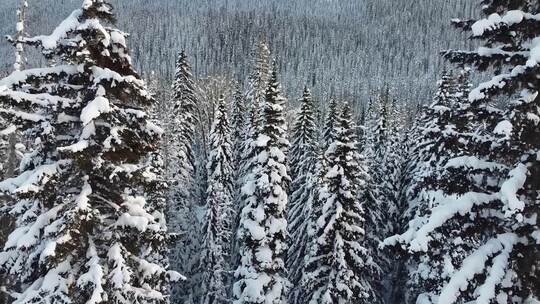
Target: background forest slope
346 49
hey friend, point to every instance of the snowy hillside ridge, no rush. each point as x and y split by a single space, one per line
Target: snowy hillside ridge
346 33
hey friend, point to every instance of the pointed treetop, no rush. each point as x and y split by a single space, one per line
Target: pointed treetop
222 106
274 120
329 135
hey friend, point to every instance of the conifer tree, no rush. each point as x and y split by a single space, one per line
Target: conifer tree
90 225
257 84
338 266
260 75
17 41
511 26
185 105
217 232
435 136
303 164
8 135
182 203
428 148
383 157
263 224
479 219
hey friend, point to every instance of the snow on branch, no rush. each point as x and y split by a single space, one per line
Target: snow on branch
511 186
21 77
417 236
474 163
476 264
94 276
51 41
495 21
30 181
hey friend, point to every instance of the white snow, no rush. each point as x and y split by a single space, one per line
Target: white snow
95 107
511 186
262 141
93 277
504 127
417 236
475 264
534 57
69 24
83 199
473 162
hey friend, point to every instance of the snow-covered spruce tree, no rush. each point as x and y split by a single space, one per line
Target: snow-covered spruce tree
428 145
260 75
8 135
184 108
480 220
17 40
511 44
217 232
182 203
256 86
338 266
382 156
303 164
263 224
434 137
89 229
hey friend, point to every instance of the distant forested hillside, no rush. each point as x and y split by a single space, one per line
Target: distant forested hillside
344 48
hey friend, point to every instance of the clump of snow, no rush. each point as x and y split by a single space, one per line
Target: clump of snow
480 26
534 57
473 162
504 127
510 187
136 216
119 275
95 107
83 199
262 140
69 24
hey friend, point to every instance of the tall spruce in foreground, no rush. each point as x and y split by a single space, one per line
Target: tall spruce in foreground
182 203
483 216
257 85
263 224
217 230
303 164
338 266
512 26
91 227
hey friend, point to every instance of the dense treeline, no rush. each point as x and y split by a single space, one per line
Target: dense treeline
343 49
